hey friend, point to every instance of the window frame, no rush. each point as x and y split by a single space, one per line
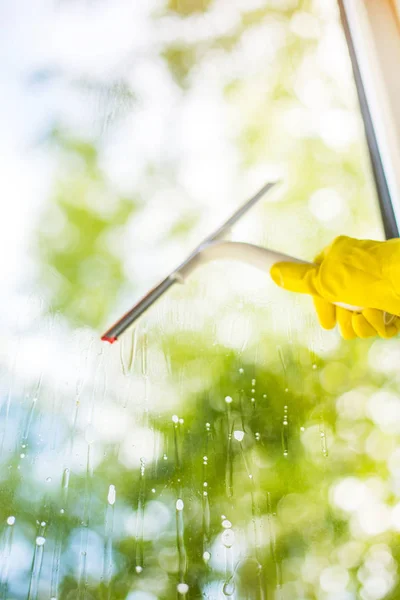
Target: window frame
372 30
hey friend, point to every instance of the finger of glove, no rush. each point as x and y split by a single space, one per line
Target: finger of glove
362 327
344 319
376 318
295 277
326 312
392 320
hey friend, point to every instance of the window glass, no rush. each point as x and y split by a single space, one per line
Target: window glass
226 446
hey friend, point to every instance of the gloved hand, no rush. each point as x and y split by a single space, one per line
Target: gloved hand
362 273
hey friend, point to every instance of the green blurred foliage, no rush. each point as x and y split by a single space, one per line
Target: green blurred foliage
85 277
188 7
284 509
180 61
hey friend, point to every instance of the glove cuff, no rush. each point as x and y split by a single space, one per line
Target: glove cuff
393 266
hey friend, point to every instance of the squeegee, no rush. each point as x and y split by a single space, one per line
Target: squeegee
211 248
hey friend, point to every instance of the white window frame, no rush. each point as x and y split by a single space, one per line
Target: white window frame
372 29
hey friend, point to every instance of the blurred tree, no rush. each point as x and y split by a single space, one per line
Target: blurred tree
188 7
85 276
266 470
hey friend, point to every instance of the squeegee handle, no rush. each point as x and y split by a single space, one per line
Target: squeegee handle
261 258
278 257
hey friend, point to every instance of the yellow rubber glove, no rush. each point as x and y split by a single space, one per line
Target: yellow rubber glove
362 273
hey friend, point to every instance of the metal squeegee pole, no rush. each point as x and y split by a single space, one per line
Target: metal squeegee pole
112 334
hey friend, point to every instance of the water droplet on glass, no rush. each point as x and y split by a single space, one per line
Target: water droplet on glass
10 520
205 493
323 441
206 556
48 479
138 569
181 421
253 382
205 484
205 458
285 432
40 540
257 436
229 588
228 399
179 504
208 426
111 495
226 524
253 399
302 429
182 588
62 511
241 370
314 366
65 479
238 435
153 491
175 418
43 523
228 537
165 457
22 455
90 434
253 391
264 395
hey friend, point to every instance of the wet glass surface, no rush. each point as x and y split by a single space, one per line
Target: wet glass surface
226 447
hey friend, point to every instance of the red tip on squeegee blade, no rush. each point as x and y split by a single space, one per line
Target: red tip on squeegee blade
111 340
